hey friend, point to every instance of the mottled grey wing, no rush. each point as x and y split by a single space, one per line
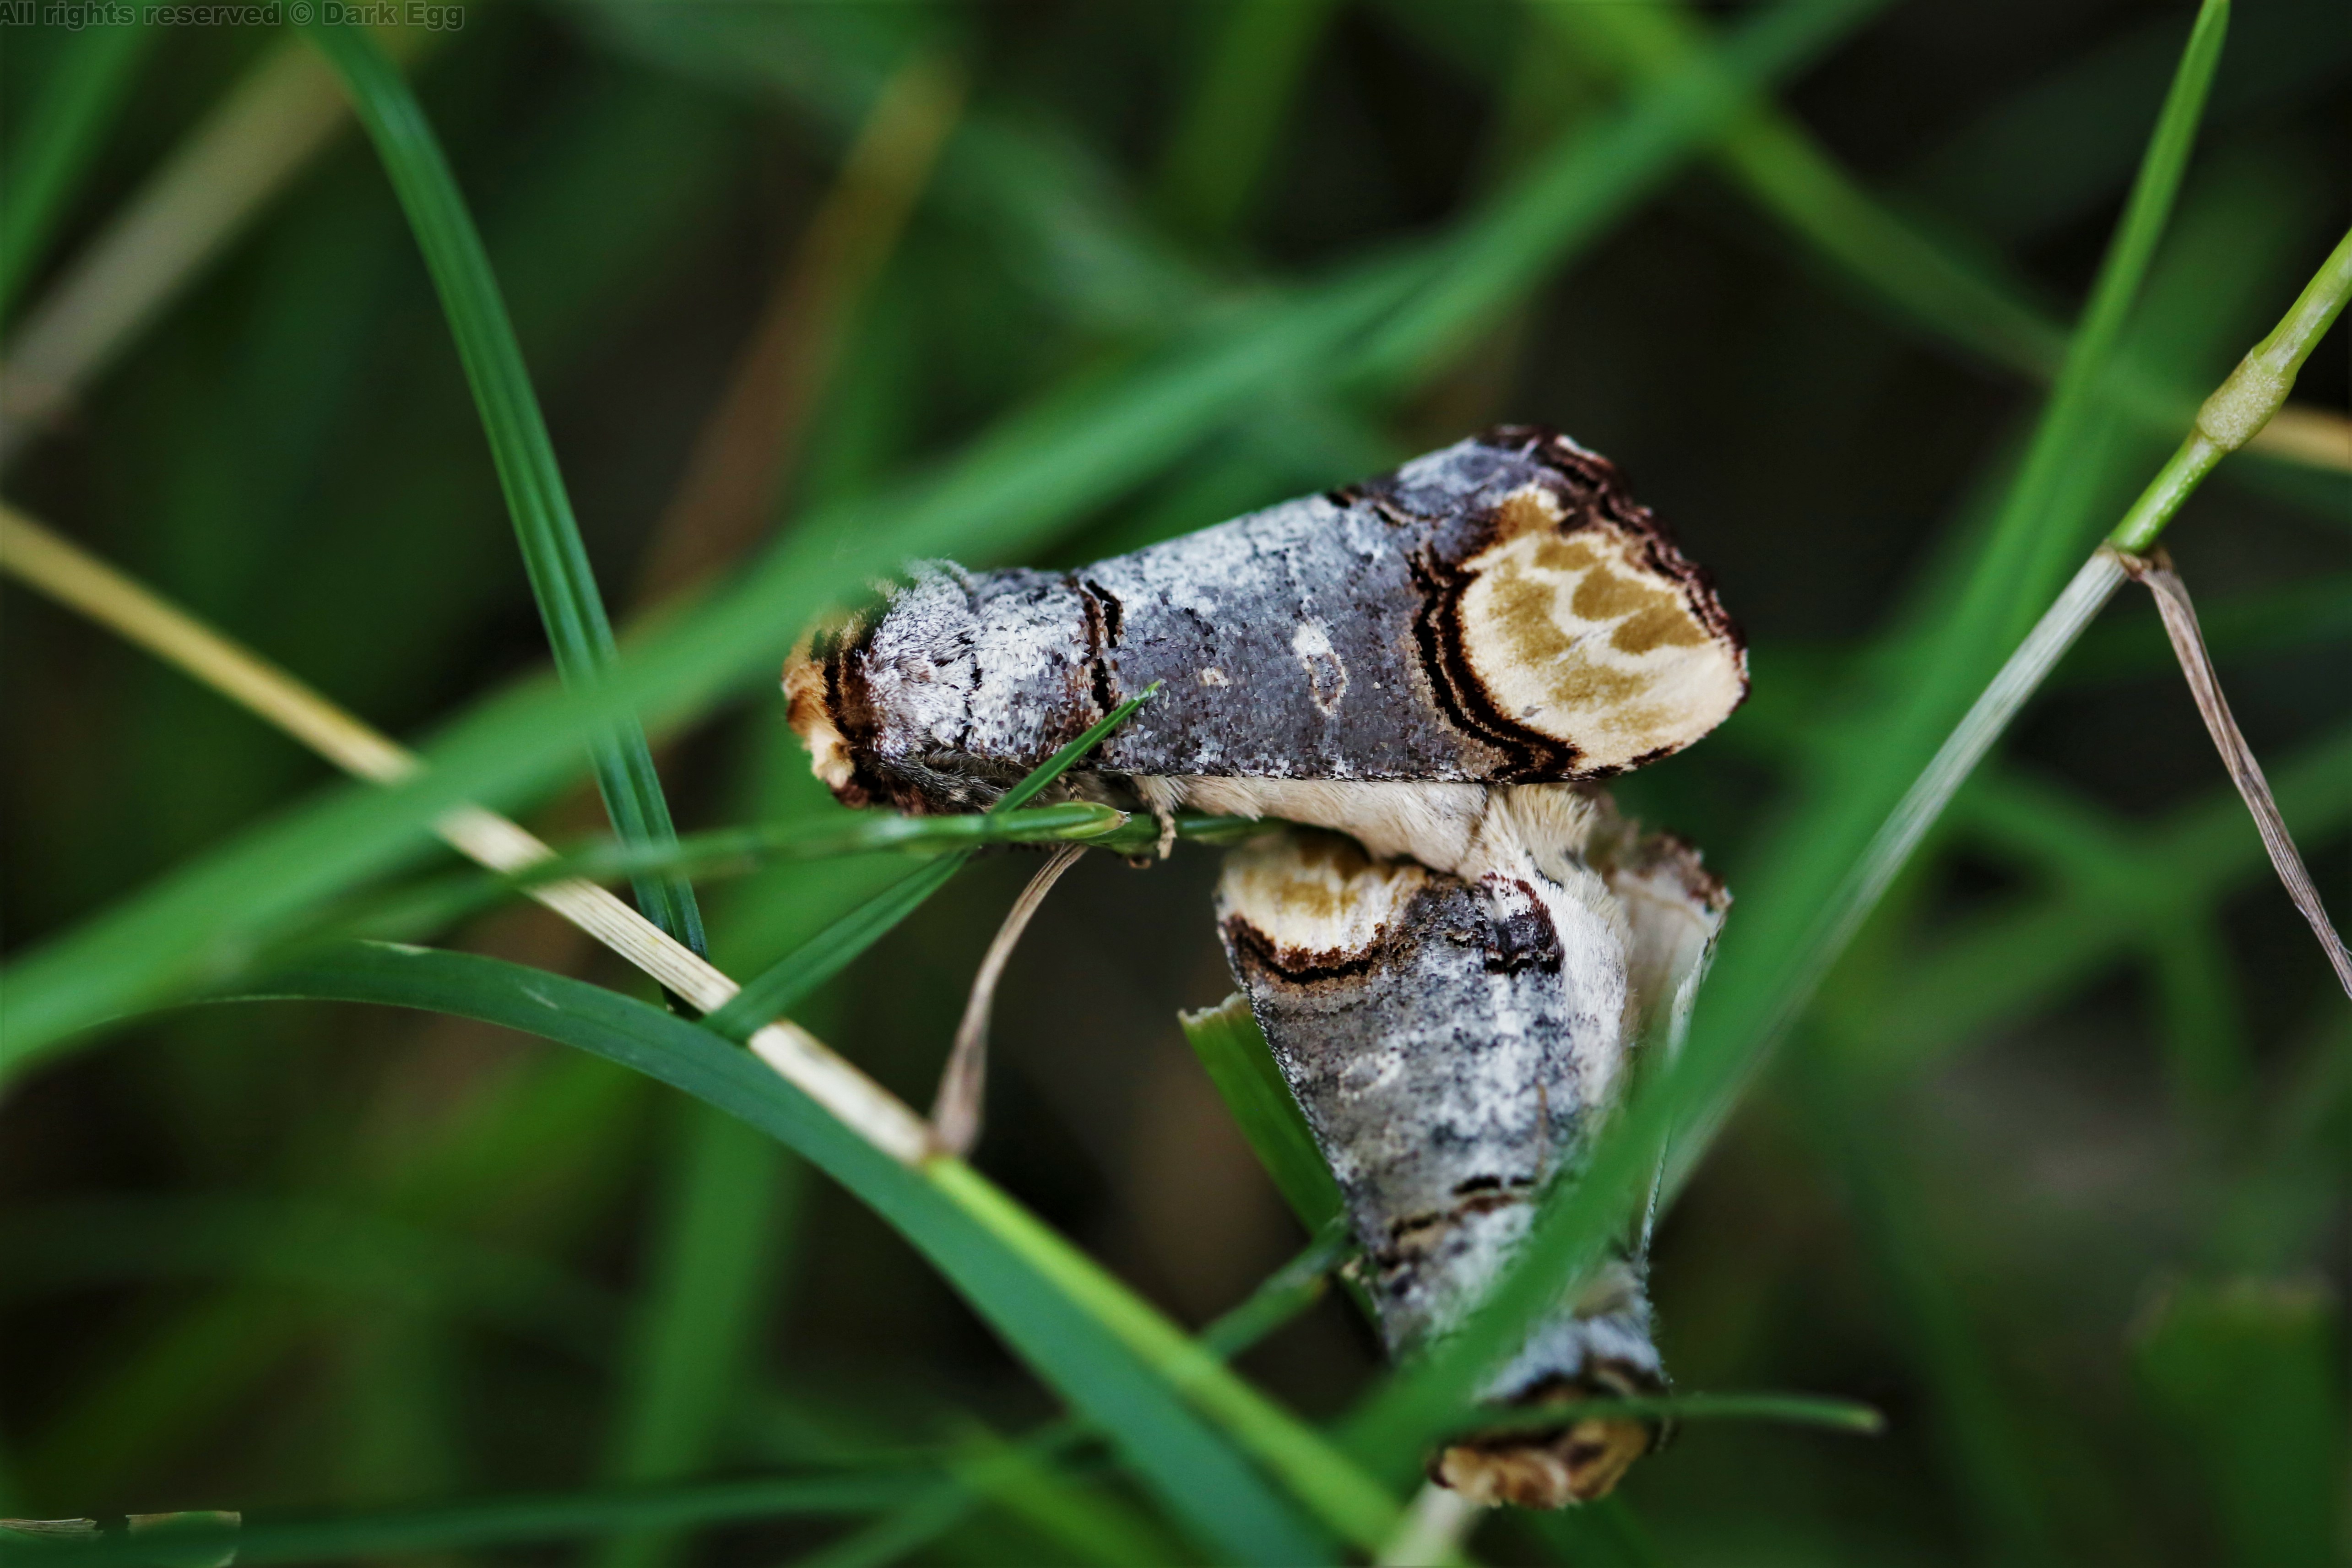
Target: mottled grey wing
1499 611
1452 1047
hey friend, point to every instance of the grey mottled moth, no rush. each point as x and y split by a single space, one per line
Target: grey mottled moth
1457 948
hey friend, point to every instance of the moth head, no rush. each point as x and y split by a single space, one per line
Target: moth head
1582 1462
1579 1457
812 702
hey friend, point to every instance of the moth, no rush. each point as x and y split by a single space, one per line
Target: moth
1454 944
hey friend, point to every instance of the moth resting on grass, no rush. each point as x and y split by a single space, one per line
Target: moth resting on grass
1456 951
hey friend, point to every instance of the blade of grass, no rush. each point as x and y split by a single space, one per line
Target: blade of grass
1825 873
1233 1051
2031 529
61 131
1072 1323
774 990
434 903
1216 157
699 1336
1786 1409
508 1521
1284 1294
90 586
553 554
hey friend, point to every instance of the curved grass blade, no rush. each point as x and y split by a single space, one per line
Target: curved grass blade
508 1521
1788 1409
1060 762
1195 1471
1233 1051
561 579
776 988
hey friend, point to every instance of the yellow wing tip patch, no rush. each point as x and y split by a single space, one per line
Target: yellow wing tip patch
1595 634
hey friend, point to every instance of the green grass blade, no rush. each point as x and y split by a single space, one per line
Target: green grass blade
736 850
198 922
1783 944
1042 776
1788 1409
1217 155
1195 1471
510 1521
61 132
1284 1294
772 992
698 1338
1233 1050
556 560
2040 543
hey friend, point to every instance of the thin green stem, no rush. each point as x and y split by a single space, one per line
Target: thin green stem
2244 404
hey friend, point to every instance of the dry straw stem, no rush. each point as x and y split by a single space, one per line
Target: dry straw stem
1434 1526
2155 574
78 579
956 1112
224 173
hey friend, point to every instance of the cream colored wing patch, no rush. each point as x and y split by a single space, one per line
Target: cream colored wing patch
1315 900
1599 639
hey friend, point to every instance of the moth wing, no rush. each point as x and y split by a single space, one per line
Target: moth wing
1599 641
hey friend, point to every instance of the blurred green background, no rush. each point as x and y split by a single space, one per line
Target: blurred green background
2052 1174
